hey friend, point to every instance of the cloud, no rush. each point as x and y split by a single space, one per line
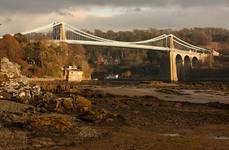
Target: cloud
55 5
7 20
21 15
174 18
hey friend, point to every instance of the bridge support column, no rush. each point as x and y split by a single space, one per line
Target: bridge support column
173 67
62 32
172 61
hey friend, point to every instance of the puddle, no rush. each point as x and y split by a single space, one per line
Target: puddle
221 137
171 135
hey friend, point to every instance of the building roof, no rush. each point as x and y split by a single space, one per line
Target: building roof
72 68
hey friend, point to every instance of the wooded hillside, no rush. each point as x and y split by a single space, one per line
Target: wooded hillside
43 58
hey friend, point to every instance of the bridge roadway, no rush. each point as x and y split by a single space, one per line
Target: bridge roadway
116 44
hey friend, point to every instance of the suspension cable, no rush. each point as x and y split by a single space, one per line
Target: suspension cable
87 34
152 40
38 29
108 40
188 44
78 33
97 38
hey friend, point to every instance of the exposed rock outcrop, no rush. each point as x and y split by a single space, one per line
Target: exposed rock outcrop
14 85
10 69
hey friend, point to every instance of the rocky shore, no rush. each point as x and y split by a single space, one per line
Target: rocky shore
56 115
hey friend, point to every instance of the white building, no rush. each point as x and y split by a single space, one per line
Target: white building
73 74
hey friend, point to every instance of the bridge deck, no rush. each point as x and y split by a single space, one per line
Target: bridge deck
117 44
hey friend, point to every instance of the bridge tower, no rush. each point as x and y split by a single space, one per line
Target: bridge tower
59 32
172 60
62 32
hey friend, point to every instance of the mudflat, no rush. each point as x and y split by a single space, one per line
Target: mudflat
118 116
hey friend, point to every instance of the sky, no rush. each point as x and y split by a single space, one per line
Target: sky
22 15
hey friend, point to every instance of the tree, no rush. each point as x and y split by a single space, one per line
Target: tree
11 49
22 39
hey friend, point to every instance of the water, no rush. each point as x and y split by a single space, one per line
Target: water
186 95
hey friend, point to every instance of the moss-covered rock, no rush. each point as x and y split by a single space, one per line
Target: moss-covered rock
78 104
52 121
82 104
97 115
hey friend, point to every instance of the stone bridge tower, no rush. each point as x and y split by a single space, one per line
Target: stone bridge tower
59 32
172 61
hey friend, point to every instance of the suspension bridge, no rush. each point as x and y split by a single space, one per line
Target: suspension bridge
181 53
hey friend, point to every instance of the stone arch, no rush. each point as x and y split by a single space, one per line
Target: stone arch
187 66
179 66
195 62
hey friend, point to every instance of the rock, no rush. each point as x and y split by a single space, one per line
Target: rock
88 132
68 104
15 84
51 121
36 90
13 107
18 91
48 98
24 97
64 104
9 69
82 104
78 104
96 115
59 108
22 94
46 102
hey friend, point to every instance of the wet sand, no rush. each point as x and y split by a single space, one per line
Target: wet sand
184 95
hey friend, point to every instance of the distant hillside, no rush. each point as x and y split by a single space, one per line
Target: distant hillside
204 37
